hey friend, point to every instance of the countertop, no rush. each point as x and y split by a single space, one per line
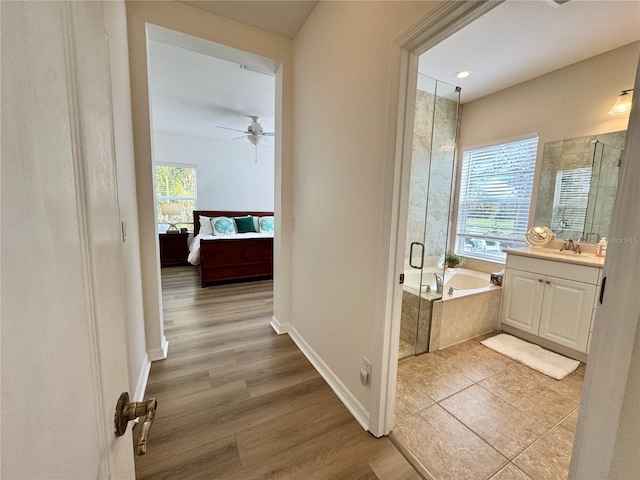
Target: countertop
555 254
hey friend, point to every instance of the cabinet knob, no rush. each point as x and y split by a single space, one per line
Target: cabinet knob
548 282
540 280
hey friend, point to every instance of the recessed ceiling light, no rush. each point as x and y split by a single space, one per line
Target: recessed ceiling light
463 74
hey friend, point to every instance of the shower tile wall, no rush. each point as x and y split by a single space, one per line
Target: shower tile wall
576 153
431 175
604 184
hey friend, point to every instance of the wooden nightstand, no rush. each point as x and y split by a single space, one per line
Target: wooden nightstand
174 249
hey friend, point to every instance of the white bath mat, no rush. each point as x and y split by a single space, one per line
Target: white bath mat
533 356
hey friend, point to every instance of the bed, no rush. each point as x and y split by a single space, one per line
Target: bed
236 257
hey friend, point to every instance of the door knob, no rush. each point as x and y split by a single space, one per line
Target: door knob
127 411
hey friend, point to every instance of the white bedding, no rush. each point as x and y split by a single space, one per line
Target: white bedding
194 246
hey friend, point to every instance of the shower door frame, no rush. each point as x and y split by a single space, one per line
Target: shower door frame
441 22
423 325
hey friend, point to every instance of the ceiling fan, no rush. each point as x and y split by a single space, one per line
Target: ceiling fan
254 132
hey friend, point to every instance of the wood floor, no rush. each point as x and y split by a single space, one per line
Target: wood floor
237 401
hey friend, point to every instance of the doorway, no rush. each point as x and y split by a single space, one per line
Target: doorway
409 63
203 99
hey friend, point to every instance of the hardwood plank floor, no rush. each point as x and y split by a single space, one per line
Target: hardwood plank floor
237 401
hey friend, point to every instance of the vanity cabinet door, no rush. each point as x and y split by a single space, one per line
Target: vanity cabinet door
523 294
566 312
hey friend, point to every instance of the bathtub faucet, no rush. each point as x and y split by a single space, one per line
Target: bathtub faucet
439 282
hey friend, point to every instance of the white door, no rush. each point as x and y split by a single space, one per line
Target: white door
523 292
566 312
63 348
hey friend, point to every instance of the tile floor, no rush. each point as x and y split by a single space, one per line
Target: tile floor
467 412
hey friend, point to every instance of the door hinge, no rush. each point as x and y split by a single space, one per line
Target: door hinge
401 282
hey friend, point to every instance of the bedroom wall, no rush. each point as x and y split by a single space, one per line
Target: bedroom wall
344 107
228 176
567 103
196 22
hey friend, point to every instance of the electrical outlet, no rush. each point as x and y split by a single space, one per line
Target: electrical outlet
366 364
365 371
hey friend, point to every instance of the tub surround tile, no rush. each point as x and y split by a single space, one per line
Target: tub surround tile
497 422
450 450
436 322
457 326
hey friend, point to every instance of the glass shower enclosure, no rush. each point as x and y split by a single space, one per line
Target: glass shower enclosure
432 167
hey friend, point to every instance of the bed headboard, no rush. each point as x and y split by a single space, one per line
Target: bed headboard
221 213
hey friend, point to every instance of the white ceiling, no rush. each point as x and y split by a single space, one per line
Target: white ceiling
521 40
196 85
193 90
284 18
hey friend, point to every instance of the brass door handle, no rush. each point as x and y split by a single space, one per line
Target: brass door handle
127 411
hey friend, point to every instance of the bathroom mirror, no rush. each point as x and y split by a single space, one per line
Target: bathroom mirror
578 184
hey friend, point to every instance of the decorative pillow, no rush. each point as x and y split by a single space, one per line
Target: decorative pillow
223 226
205 225
266 224
244 224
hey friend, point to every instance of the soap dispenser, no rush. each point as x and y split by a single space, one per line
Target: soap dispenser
601 249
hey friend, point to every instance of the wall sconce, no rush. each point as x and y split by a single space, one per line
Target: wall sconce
171 209
623 103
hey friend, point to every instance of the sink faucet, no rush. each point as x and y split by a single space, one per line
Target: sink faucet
567 245
576 247
570 246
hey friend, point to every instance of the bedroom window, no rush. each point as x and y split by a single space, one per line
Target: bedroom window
495 197
175 184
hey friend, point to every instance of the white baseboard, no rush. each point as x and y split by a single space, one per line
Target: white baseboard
143 378
343 393
278 327
159 353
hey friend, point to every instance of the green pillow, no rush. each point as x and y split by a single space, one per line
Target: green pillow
244 224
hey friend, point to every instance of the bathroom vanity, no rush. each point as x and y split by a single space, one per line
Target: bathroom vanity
550 298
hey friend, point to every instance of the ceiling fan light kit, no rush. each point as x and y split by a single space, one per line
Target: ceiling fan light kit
254 132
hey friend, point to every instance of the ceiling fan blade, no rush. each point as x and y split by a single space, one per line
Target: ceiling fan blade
233 129
268 134
242 136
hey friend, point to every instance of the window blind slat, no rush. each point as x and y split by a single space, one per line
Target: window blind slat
495 193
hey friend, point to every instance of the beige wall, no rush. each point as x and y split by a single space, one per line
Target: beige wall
345 65
193 21
567 103
127 203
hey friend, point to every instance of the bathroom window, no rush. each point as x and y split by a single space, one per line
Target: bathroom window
495 197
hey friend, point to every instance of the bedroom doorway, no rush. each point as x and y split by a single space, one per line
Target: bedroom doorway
213 136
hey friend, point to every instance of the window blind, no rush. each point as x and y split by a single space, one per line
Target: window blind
570 199
495 194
